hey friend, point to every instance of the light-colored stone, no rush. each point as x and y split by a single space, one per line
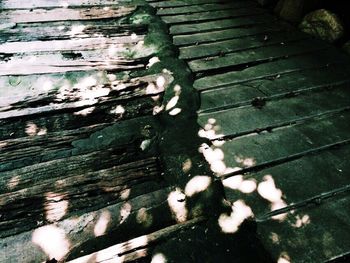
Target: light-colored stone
323 24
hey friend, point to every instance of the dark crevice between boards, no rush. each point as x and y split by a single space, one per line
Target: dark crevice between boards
288 158
312 201
281 125
211 30
260 102
243 66
212 19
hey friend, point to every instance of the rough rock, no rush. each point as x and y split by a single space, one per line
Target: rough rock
323 24
294 10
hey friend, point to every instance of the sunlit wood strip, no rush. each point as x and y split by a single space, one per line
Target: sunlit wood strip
20 4
63 14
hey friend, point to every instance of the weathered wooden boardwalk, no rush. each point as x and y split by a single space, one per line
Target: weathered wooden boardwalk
275 107
109 145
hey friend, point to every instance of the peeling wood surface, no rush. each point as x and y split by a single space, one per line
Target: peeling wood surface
77 130
18 4
123 251
63 14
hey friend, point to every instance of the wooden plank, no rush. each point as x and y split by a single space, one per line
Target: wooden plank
234 122
117 44
308 137
214 36
82 191
324 236
78 123
68 30
72 233
68 66
72 143
36 174
318 174
192 28
58 64
271 69
19 4
212 15
18 92
120 251
234 45
64 14
268 53
292 83
83 91
204 8
230 97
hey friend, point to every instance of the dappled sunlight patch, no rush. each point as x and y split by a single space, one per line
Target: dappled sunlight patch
102 223
52 241
125 211
56 206
125 194
248 186
13 182
118 110
48 85
152 89
144 218
76 30
215 157
87 89
118 253
85 112
112 77
133 36
274 238
245 161
237 182
187 165
175 112
284 258
231 223
161 82
218 167
177 90
211 131
197 184
268 190
167 71
172 103
32 129
145 144
159 258
157 109
3 144
233 182
61 28
177 204
152 61
301 221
